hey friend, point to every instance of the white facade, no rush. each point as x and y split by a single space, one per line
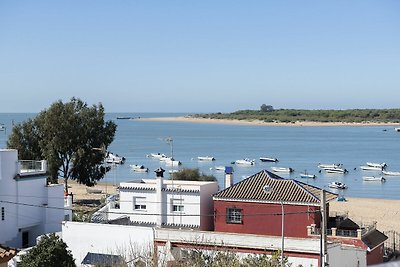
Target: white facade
28 206
128 241
159 202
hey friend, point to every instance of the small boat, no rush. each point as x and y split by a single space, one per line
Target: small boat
336 170
218 168
391 173
282 169
156 155
2 127
374 179
307 175
172 162
245 161
371 168
138 168
114 159
337 185
397 129
206 158
329 166
377 165
268 159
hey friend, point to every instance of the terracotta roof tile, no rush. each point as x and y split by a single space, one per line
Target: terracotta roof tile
6 253
286 190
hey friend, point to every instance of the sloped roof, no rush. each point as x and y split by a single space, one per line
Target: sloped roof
6 253
285 190
374 238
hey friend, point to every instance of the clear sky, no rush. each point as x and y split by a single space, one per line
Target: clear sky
200 56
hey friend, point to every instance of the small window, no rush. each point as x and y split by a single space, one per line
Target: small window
139 203
2 214
177 205
233 215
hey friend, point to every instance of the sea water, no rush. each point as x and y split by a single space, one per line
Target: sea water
297 147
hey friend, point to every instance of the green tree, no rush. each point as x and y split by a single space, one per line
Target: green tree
266 108
192 175
71 137
51 251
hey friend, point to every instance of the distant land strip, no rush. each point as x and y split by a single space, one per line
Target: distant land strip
296 117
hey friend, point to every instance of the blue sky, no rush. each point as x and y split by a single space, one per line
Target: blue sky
200 56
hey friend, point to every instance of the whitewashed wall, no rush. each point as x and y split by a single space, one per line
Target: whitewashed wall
126 241
347 256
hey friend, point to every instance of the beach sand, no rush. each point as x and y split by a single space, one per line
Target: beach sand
386 213
261 123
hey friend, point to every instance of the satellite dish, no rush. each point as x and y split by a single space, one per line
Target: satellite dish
267 189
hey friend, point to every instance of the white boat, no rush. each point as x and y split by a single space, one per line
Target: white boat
282 169
307 175
245 161
391 173
337 185
329 166
371 168
336 170
377 165
268 159
138 168
206 158
218 168
2 127
397 129
114 159
172 162
374 179
156 155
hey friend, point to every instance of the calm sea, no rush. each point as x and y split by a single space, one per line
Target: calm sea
300 148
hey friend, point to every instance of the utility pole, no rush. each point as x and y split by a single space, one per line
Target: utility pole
323 253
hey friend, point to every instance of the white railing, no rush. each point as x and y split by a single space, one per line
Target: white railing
32 167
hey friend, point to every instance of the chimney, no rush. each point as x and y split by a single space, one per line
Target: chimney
159 186
228 177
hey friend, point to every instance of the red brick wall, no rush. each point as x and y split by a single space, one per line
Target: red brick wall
258 218
375 256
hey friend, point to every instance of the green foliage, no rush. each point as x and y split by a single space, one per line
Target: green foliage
66 135
266 108
51 251
294 115
192 175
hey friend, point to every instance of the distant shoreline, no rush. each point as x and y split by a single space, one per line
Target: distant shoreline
262 123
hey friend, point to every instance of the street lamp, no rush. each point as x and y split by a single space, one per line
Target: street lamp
267 189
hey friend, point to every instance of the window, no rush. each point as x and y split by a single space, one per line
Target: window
177 205
233 215
2 214
139 203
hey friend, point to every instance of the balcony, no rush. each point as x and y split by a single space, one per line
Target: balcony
32 167
334 232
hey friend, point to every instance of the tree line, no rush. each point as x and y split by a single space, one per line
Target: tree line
268 114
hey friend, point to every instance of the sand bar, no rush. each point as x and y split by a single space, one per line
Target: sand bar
260 122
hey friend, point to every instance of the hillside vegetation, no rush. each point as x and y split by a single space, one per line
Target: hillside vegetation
299 115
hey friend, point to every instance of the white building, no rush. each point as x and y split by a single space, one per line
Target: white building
29 207
166 203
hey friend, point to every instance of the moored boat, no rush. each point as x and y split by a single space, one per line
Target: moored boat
114 159
218 168
307 175
329 166
156 155
374 179
268 159
282 169
336 170
391 173
337 185
377 165
371 168
245 161
206 158
138 168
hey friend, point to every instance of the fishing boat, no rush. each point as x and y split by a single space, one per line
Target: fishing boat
371 168
391 173
374 179
329 166
138 168
114 159
156 155
245 161
307 175
282 169
206 158
337 185
377 165
268 159
336 170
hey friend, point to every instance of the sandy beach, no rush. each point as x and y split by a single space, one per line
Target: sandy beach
361 210
260 123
